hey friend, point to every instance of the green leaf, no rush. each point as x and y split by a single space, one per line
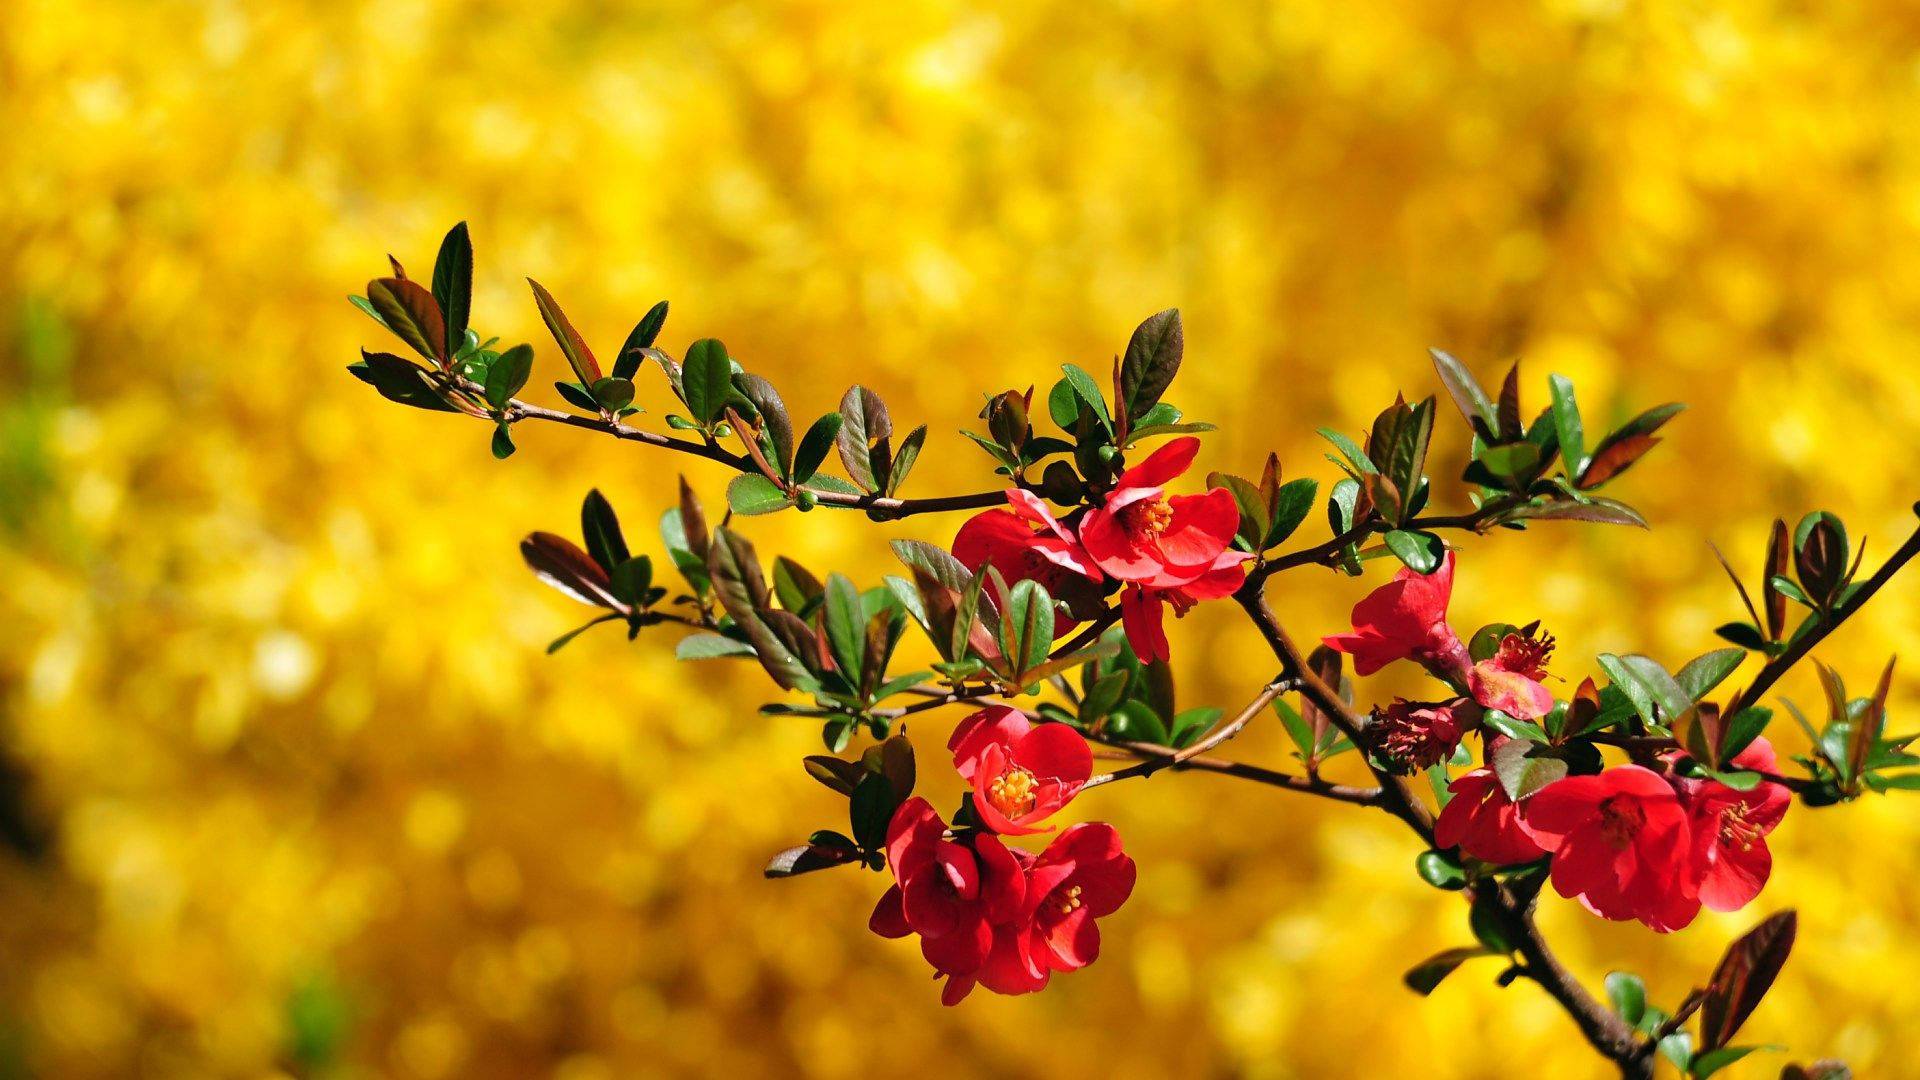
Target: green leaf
1441 870
502 444
1431 972
580 397
453 280
645 332
507 375
1290 508
579 357
1026 633
870 809
846 624
1512 461
1704 672
613 394
1192 723
373 313
1524 767
752 493
1152 360
1420 551
904 458
1064 406
1566 423
737 581
1135 721
1628 996
1350 450
633 580
1088 392
1648 686
1714 1060
602 531
1488 925
706 377
814 446
1744 634
774 420
706 646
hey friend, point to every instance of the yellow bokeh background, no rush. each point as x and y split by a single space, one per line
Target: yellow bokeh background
291 788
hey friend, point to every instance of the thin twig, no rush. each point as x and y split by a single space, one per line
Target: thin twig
1274 688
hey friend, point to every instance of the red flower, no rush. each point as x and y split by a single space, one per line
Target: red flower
1413 735
1083 875
1731 859
1141 615
1406 619
1509 680
1160 541
1482 822
950 893
1021 772
1027 543
1621 844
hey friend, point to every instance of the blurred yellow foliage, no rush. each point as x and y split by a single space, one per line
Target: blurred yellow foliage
301 794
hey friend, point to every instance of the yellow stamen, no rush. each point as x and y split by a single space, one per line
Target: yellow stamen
1013 792
1069 900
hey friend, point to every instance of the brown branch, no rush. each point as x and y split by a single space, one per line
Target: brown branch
1162 758
879 506
1397 793
1279 685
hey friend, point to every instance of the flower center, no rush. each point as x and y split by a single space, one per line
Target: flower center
1067 900
1736 830
1619 821
1012 793
1148 517
1525 655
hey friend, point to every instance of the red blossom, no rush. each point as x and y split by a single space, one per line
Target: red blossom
1731 858
1026 543
1621 844
1082 876
1406 619
950 893
1483 823
1141 534
1413 735
1021 772
1509 680
1140 607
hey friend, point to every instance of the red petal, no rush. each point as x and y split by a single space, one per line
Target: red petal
1161 466
1141 616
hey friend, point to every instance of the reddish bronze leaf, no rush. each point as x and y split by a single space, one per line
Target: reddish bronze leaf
1871 724
413 314
1508 411
1745 974
560 563
1613 457
1776 601
579 357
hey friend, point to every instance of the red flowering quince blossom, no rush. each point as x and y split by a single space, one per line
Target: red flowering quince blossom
1621 845
1173 549
950 893
1021 772
1026 543
1731 858
1509 680
1406 619
1082 876
1482 822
